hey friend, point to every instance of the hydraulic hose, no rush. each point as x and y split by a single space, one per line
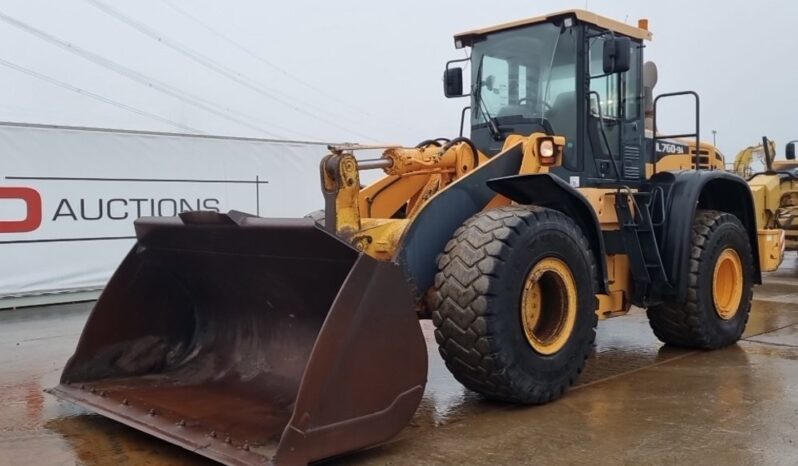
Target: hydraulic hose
435 142
467 141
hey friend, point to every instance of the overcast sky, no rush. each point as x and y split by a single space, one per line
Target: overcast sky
365 70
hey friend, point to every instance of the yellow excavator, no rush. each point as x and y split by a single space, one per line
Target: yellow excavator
761 154
257 340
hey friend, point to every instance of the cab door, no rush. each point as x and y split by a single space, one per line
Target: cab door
614 124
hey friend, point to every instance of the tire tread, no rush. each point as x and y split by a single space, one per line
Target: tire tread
462 295
682 324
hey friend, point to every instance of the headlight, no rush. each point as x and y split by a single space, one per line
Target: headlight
547 151
546 148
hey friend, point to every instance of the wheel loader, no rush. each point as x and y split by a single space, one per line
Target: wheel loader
776 187
259 340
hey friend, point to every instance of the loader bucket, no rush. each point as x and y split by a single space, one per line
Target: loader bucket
251 341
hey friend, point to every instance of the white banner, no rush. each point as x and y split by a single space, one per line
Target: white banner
69 196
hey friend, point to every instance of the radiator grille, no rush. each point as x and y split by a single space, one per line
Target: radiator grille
631 162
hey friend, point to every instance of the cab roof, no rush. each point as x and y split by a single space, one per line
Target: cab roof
465 38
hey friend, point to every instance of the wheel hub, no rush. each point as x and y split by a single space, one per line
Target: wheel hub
548 305
727 284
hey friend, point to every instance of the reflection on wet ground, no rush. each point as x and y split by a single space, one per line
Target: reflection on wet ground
637 402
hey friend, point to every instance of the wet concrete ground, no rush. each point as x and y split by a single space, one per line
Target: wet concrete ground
637 403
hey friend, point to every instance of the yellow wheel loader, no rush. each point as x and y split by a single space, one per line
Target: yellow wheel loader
775 188
254 340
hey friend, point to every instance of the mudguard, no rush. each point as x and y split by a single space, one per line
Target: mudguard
688 191
435 224
547 190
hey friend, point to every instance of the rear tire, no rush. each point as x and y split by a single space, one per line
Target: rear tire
719 287
514 303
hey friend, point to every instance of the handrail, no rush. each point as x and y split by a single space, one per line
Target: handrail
696 135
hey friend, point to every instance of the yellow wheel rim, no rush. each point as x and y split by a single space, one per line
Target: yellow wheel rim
548 305
727 284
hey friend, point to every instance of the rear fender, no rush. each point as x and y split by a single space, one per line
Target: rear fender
690 190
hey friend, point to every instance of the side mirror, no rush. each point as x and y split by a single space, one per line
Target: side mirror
790 151
617 55
453 82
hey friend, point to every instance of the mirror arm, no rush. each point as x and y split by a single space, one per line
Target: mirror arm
457 60
601 75
462 118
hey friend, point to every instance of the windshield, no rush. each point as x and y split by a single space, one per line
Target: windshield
526 74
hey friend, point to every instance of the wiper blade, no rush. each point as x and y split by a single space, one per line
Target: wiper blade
492 124
490 121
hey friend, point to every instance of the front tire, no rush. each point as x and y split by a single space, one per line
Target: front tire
719 288
514 303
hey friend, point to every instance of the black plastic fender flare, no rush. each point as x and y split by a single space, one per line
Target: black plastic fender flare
434 225
688 191
547 190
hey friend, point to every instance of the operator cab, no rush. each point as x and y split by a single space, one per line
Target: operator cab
572 74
